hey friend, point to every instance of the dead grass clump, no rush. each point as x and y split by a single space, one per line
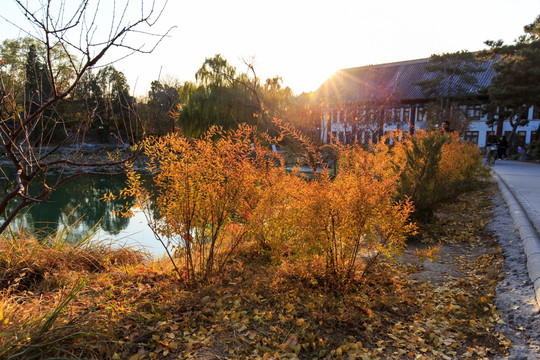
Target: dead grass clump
26 261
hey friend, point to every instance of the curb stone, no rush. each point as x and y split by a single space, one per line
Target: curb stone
527 233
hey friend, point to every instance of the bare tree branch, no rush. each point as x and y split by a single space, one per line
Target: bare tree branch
71 30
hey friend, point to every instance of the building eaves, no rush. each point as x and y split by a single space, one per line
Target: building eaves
397 82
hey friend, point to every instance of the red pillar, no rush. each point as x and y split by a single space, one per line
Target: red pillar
412 120
499 127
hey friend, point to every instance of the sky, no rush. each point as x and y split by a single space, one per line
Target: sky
305 42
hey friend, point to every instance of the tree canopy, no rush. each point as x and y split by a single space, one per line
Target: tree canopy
516 86
451 77
222 96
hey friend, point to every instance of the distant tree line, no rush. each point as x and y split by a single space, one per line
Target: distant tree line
221 95
101 99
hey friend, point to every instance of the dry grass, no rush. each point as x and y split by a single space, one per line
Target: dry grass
27 261
40 278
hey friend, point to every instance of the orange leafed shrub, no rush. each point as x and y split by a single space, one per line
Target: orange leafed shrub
204 191
460 161
335 228
360 216
213 193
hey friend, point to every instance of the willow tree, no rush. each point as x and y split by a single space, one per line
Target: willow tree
212 100
83 33
220 97
225 97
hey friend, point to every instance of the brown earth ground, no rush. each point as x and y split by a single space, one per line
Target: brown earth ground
417 308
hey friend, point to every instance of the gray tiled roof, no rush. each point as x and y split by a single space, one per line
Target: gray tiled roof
396 82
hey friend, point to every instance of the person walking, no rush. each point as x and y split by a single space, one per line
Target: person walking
502 147
491 149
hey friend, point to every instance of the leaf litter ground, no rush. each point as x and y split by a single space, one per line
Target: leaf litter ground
438 308
515 293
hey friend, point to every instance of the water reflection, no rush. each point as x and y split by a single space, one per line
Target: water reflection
81 199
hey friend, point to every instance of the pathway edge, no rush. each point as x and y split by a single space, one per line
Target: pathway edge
529 237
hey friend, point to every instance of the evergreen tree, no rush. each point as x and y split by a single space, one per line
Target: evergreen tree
37 85
162 99
452 77
113 100
516 87
38 89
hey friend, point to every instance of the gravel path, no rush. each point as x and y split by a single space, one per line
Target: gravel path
515 293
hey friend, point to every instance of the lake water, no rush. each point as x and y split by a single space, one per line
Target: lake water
81 198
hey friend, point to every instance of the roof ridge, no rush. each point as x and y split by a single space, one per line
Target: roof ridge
395 63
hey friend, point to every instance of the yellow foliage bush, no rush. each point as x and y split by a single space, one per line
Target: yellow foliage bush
460 161
203 191
334 228
213 193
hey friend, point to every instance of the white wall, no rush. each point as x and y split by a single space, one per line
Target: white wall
479 125
482 129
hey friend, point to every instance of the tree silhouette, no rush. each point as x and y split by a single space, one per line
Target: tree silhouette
73 31
516 87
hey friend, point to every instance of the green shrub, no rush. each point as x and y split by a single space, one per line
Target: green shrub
436 167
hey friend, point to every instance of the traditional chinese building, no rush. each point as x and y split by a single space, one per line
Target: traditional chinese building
365 102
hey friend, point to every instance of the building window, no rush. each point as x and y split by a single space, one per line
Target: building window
519 137
422 114
471 136
536 112
348 139
395 114
474 112
406 115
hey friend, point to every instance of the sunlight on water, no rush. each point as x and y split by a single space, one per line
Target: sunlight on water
78 205
136 233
